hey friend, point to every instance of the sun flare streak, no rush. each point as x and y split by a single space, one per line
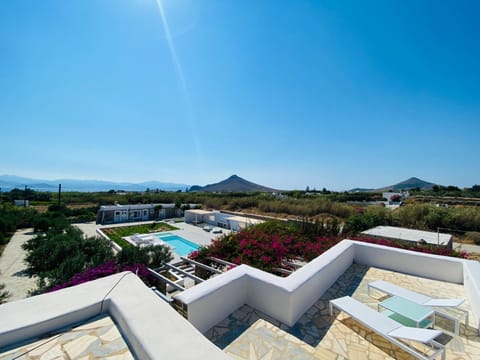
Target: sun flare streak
181 77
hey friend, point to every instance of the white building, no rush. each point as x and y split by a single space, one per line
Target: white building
21 203
217 218
391 194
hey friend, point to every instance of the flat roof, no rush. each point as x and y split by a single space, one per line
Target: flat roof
199 212
127 207
244 219
393 232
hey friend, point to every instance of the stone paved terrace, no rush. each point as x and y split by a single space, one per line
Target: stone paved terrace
97 339
250 334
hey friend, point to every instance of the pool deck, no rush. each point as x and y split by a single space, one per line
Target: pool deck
192 233
195 234
249 334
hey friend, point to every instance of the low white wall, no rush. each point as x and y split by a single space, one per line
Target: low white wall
266 293
116 248
212 301
430 266
322 273
152 328
471 283
286 299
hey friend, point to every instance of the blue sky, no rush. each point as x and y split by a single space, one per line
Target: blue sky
334 94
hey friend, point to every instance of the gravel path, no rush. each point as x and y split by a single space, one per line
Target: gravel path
12 267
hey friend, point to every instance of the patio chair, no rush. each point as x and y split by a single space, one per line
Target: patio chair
391 330
421 299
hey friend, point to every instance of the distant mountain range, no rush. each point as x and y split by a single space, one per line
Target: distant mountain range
233 184
9 182
408 184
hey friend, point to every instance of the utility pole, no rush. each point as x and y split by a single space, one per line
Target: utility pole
59 193
25 197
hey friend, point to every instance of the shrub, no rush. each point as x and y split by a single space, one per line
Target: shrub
474 236
4 295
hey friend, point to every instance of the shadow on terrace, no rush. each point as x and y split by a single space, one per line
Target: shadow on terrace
250 334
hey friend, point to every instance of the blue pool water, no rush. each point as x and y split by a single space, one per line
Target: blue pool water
182 246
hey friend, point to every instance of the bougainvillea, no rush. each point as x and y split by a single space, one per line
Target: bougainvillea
265 250
106 269
424 248
270 247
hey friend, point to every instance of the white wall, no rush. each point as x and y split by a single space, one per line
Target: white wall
472 288
208 305
152 328
286 299
430 266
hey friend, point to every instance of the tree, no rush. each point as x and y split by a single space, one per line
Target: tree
57 255
151 256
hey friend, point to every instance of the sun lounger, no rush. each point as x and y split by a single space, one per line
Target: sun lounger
421 299
391 330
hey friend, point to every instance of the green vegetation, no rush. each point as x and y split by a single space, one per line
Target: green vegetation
13 218
274 245
56 256
151 256
116 233
4 295
59 254
473 236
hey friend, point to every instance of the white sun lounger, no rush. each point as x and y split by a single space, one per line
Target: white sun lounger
421 299
390 329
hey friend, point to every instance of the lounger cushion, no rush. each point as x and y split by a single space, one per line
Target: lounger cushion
411 333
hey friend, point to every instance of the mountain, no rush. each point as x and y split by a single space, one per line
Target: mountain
361 190
233 184
9 182
408 184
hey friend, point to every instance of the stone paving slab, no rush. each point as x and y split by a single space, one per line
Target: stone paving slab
249 334
97 339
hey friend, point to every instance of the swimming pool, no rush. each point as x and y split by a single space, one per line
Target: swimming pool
180 245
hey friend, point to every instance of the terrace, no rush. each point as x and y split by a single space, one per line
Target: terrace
251 334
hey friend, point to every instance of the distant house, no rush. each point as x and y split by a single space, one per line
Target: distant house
410 235
113 214
217 218
21 203
392 196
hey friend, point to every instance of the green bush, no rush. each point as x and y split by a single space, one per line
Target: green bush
151 256
473 235
4 295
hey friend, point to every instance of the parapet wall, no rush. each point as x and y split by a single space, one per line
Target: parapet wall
286 299
152 328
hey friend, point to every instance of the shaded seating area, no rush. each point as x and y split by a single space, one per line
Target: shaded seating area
392 330
422 299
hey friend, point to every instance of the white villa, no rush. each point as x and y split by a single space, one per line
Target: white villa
220 219
277 317
113 214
